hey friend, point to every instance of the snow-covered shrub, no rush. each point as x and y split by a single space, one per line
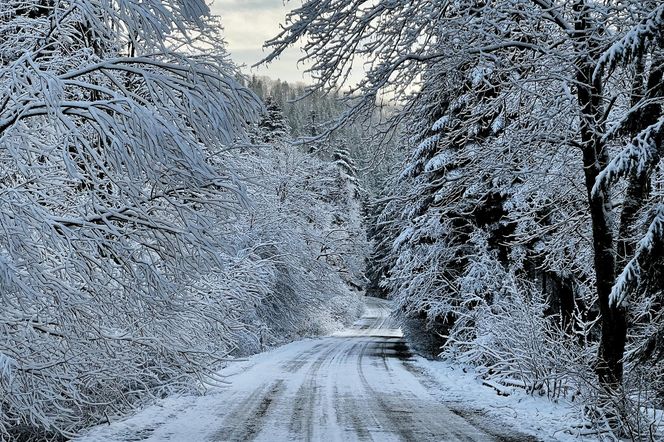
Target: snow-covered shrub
116 282
342 310
513 342
346 308
303 224
424 336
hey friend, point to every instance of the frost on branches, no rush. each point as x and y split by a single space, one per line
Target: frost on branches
533 187
134 255
111 194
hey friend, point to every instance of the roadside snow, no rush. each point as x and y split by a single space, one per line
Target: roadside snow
197 416
461 389
357 384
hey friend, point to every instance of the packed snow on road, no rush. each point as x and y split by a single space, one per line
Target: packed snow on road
361 383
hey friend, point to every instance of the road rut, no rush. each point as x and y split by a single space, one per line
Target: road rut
358 385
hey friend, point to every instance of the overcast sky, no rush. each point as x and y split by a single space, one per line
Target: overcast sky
247 25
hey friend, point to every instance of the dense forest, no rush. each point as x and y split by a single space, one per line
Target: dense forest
155 219
496 173
524 231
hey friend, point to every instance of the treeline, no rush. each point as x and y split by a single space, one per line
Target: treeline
310 116
524 233
153 222
306 112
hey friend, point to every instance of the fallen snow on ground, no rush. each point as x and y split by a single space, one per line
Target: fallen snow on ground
461 389
359 384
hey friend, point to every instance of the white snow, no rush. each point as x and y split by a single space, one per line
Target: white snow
462 387
343 387
6 366
440 123
498 124
439 161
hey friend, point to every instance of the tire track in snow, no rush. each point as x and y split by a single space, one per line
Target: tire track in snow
308 398
251 412
303 358
355 386
388 418
349 414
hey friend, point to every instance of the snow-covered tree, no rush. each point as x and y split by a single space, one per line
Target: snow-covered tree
114 192
556 87
303 238
272 125
382 229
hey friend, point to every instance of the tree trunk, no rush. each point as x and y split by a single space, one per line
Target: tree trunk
589 94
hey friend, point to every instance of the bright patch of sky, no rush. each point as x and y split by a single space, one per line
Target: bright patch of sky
247 25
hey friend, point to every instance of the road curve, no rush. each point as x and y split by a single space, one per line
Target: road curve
355 385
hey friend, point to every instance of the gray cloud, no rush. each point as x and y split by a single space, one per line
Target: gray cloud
246 5
285 68
247 25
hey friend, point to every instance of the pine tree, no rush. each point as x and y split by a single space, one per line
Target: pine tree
272 126
381 233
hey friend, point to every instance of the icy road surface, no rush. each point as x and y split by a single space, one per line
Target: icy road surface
355 385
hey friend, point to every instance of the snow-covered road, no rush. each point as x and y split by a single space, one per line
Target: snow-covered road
355 385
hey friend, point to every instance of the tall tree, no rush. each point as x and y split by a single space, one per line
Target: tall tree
114 192
545 54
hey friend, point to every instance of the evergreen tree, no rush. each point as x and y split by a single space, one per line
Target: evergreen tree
272 126
381 232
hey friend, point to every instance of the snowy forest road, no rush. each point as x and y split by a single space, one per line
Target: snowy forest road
355 385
